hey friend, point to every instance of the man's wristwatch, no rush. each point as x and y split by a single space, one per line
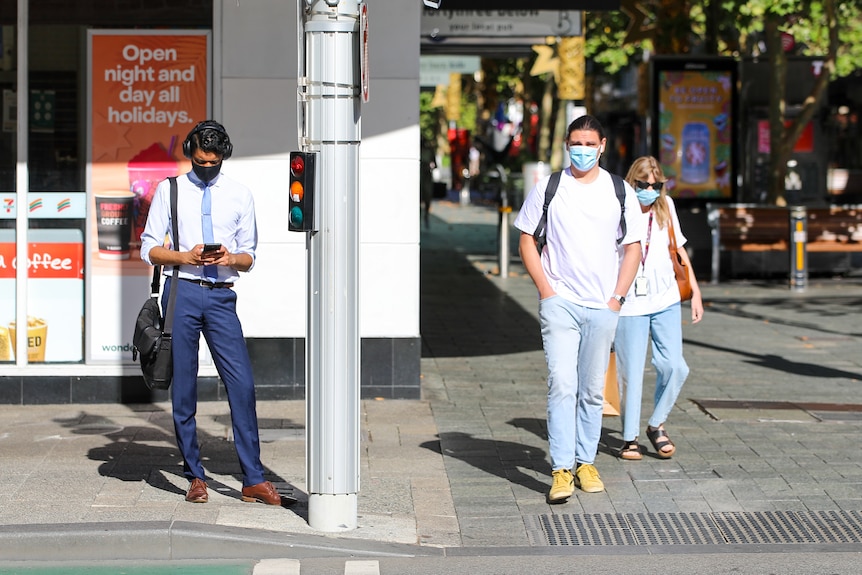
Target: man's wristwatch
620 298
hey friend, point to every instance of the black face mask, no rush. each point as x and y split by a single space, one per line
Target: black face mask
206 173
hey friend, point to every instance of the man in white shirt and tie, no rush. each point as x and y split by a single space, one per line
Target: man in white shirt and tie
217 240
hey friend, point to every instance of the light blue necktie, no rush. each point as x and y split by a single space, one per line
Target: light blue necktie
210 272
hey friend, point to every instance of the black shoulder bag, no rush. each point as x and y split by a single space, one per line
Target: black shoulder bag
152 339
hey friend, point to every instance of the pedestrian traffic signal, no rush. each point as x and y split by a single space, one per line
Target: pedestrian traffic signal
300 216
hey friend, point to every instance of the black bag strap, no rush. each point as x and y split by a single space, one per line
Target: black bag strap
551 190
620 189
172 297
541 232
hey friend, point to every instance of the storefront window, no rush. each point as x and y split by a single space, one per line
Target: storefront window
8 153
57 201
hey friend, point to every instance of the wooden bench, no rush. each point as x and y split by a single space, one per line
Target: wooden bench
751 228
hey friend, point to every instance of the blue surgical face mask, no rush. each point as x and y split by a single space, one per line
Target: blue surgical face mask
583 157
647 196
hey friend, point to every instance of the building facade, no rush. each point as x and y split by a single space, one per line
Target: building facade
110 89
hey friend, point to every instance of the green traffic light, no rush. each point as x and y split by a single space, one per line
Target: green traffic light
296 216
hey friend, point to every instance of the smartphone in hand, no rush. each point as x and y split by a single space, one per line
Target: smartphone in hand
209 248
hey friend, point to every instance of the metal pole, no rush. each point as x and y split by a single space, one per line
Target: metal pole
505 210
714 219
798 248
22 179
330 100
503 255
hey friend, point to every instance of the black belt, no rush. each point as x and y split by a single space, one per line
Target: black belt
207 284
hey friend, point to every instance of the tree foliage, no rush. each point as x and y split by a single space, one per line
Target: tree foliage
774 29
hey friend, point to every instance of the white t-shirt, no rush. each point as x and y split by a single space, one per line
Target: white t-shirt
656 268
580 258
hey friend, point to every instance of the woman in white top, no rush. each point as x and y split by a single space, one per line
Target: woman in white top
653 311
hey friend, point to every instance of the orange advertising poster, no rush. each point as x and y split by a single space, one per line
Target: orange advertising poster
147 91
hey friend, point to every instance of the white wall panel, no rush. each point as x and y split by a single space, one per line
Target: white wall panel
271 297
389 209
393 43
259 39
258 90
267 181
392 108
260 115
389 292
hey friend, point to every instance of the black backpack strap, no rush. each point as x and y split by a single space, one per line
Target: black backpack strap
541 232
172 297
620 189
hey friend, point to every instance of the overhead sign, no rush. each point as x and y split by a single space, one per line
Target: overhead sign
595 5
435 70
500 23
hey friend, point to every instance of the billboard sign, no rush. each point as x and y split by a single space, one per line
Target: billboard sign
147 90
694 120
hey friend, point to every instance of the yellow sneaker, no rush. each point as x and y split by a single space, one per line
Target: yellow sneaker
563 486
587 478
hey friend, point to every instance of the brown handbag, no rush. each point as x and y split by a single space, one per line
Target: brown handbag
680 270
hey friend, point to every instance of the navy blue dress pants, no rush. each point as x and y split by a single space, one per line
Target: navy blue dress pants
212 311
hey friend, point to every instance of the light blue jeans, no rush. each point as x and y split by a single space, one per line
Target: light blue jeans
633 335
577 342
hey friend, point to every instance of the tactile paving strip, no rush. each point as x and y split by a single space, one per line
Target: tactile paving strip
761 527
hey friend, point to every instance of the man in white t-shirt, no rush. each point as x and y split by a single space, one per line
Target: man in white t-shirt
582 286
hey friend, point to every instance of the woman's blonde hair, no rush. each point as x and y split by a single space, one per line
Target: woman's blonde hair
640 170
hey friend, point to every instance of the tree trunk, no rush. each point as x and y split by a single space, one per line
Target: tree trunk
675 27
777 106
546 126
783 134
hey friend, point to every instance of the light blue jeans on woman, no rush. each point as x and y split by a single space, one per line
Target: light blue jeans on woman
633 335
577 342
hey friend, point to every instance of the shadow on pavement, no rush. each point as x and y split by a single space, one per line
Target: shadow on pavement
778 363
140 453
462 312
501 458
818 308
538 427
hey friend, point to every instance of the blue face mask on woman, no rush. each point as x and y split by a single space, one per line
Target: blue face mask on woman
583 157
647 196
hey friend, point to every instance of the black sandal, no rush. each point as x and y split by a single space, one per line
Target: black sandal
631 451
659 439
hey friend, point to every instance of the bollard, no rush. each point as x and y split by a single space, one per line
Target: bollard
503 252
714 219
505 209
464 196
798 248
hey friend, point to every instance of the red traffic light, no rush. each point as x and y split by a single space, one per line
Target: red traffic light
297 166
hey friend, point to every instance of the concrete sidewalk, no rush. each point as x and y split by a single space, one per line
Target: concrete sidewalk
766 431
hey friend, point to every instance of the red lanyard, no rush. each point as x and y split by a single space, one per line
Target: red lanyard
646 247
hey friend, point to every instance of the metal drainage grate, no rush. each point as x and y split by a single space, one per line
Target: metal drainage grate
698 528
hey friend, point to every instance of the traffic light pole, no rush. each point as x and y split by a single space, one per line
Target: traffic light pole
329 118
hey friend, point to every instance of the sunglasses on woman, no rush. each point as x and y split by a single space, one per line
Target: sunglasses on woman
644 185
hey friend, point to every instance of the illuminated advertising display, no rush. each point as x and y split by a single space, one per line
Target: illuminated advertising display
694 126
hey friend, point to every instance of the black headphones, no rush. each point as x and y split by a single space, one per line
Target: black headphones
188 146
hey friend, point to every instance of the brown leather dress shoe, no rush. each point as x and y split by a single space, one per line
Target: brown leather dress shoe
197 492
261 493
